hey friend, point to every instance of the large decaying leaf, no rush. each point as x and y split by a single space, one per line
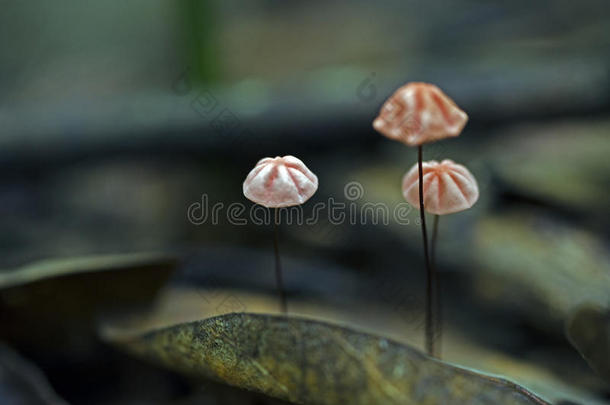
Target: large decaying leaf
313 362
63 297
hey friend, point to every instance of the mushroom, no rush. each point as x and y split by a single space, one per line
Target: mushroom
415 114
448 187
275 183
419 113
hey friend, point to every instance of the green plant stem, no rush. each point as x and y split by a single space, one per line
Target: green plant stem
429 332
437 302
278 265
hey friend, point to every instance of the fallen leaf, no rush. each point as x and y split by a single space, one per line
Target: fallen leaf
313 362
63 297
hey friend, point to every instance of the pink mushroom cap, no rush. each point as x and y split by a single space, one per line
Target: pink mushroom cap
419 113
448 187
280 182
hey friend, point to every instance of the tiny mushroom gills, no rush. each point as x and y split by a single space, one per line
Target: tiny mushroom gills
280 182
419 113
448 187
276 183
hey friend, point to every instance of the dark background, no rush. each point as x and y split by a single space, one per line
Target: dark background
115 117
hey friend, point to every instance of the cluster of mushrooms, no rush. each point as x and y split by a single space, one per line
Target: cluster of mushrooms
416 114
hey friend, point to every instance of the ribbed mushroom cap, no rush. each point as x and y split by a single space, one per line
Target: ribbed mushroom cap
419 113
280 182
448 187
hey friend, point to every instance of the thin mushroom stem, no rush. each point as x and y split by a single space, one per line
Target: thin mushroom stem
438 324
278 265
430 277
433 240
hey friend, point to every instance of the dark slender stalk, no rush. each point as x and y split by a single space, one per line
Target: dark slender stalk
437 302
429 273
433 240
278 265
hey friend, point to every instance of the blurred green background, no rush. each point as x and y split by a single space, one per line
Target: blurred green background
115 117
